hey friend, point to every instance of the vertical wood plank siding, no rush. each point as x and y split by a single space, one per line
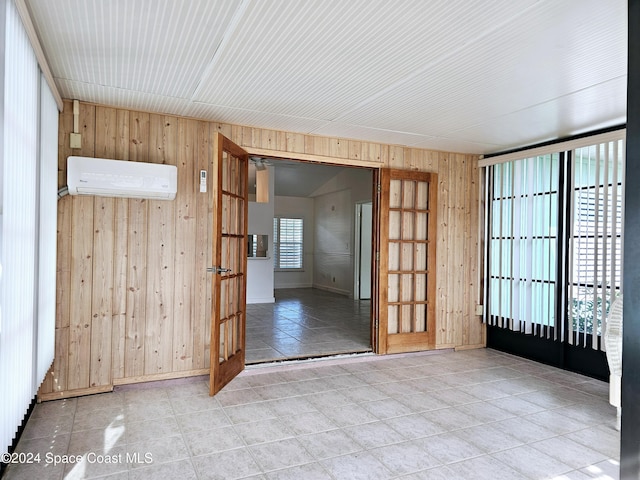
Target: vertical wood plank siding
133 299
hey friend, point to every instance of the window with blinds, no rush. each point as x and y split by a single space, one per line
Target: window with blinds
554 241
595 238
523 242
288 246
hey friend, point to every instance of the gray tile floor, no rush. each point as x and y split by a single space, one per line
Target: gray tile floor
476 414
306 322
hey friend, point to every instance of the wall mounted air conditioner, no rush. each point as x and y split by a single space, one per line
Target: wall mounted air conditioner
118 178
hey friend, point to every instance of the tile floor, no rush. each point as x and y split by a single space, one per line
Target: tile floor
306 322
476 414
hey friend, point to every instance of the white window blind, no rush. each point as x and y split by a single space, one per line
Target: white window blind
522 242
48 216
28 223
595 244
19 227
288 245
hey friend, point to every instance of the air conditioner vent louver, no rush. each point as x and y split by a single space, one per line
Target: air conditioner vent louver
118 178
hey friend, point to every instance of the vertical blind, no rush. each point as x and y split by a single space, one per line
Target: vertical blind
554 239
47 233
22 331
522 242
595 239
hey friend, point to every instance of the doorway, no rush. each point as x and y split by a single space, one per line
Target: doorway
363 251
315 309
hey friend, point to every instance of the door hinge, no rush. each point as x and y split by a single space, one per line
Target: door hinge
379 188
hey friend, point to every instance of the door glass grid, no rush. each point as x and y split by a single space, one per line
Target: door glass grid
407 260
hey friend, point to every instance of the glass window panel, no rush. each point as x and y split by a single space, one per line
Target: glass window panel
408 222
422 197
394 225
420 317
393 293
393 319
421 226
407 288
406 324
394 256
408 194
421 257
395 194
421 287
407 256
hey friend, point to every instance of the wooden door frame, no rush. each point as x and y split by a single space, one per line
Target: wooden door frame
414 340
375 168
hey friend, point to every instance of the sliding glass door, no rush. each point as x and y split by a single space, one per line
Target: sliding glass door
554 251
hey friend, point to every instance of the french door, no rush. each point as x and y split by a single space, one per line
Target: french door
229 254
407 261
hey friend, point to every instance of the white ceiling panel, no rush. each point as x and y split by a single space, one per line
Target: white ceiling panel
159 46
459 145
123 98
252 118
530 61
471 76
598 109
367 134
317 58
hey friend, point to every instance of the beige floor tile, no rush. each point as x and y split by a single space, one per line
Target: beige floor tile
575 455
99 440
156 451
282 454
348 415
329 444
376 434
448 448
532 462
323 420
213 441
416 425
404 458
485 467
97 464
357 466
310 471
152 429
182 469
202 421
227 465
310 422
263 431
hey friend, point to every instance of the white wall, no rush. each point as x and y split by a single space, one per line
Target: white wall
298 207
335 228
260 280
333 262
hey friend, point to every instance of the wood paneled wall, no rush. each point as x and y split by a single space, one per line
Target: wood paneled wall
134 299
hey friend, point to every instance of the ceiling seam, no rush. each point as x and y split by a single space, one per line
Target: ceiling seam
231 28
432 64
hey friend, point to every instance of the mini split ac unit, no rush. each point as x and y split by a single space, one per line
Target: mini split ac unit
117 178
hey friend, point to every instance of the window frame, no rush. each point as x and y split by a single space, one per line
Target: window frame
277 244
599 193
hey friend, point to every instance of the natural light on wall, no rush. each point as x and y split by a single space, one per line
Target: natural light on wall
554 238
